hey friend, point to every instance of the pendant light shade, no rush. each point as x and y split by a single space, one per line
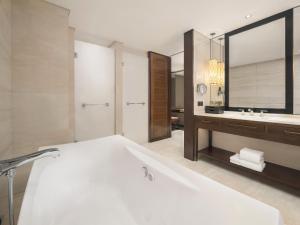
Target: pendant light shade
213 63
216 68
213 71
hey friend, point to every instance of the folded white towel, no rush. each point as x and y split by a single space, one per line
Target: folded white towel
251 155
235 159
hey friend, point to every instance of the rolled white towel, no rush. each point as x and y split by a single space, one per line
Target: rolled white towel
252 155
235 159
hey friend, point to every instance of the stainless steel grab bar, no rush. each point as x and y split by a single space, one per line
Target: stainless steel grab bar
135 103
83 105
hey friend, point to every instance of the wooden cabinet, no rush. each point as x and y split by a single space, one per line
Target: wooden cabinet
208 123
283 133
288 134
241 127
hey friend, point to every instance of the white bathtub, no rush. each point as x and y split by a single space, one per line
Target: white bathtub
101 182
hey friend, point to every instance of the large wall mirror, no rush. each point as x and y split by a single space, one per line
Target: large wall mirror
259 65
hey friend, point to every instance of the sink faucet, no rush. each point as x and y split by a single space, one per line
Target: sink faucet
262 112
8 168
250 112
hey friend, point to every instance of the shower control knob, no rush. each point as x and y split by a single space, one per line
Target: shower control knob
145 171
150 177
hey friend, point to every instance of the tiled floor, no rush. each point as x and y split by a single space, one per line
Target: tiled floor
287 203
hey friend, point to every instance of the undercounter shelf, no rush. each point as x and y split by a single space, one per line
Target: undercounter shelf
274 172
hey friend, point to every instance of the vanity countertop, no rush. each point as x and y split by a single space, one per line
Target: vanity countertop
266 117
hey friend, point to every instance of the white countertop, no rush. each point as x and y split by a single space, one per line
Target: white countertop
266 117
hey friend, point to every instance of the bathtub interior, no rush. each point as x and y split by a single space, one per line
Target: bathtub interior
102 182
200 202
76 188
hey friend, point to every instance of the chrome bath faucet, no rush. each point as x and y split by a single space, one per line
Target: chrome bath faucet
8 168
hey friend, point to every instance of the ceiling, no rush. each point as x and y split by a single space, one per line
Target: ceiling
158 25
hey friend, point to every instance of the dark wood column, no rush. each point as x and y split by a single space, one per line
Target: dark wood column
189 132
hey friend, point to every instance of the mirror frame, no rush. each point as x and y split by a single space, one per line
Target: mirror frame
289 42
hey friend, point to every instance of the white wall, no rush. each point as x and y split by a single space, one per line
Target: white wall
135 89
132 68
94 84
177 62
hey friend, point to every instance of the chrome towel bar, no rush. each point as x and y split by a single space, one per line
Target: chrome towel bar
135 103
83 105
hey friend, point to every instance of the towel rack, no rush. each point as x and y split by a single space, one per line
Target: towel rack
83 105
135 103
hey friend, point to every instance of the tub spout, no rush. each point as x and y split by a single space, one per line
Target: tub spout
8 168
8 164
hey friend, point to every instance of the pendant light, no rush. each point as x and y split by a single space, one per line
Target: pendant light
221 66
213 63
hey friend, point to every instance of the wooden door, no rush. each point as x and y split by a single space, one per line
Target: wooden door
159 96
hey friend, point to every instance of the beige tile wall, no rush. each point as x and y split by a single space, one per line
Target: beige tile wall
41 86
71 41
201 58
41 75
119 47
258 85
297 84
5 77
36 82
5 91
297 60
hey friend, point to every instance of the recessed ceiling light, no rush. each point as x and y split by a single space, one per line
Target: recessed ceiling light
248 16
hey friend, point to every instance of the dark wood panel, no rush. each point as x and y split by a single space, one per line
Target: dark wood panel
287 134
281 174
242 127
159 96
190 141
208 123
